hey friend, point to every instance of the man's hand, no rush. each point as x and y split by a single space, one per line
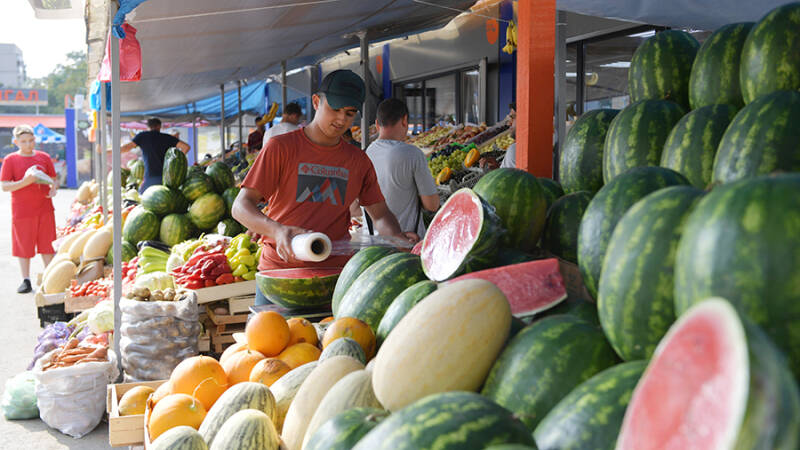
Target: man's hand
283 243
29 179
410 236
53 189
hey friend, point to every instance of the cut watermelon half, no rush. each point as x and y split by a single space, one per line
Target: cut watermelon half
530 287
461 238
299 288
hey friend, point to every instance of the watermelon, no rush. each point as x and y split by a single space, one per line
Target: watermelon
451 420
206 211
605 210
761 139
661 67
518 200
544 362
221 176
374 290
160 200
345 430
713 382
137 170
344 346
230 196
128 252
175 165
508 256
590 416
181 202
552 191
229 227
715 73
124 173
401 305
560 235
140 225
196 185
298 288
770 60
741 243
636 136
354 267
181 437
510 447
579 308
692 144
580 165
175 228
529 287
635 299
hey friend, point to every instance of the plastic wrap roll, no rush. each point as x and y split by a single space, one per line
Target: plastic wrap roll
311 247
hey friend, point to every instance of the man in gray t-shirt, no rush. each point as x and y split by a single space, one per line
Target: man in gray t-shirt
402 168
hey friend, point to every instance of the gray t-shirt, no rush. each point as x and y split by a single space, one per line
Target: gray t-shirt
403 176
510 160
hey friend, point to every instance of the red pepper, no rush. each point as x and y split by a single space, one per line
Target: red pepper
194 285
225 278
237 279
209 283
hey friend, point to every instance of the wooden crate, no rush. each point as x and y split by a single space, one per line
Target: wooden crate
227 323
219 342
125 430
226 291
43 299
79 304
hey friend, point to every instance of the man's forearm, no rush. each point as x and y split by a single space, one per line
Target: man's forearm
388 225
11 186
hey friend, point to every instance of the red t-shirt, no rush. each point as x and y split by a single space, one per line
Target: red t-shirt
311 186
31 200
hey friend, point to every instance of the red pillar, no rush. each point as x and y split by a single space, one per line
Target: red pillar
536 46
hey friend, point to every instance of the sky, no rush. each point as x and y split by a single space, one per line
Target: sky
44 43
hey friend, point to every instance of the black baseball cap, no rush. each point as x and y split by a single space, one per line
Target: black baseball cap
343 88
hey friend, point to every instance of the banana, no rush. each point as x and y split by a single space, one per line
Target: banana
273 109
511 38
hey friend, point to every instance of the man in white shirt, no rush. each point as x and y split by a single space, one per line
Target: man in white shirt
510 160
289 122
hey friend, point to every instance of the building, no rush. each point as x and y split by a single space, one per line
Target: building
12 66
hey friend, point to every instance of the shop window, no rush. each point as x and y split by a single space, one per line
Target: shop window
470 96
449 98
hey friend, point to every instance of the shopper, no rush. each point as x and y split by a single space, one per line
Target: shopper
33 223
290 121
310 177
256 138
402 169
154 145
510 160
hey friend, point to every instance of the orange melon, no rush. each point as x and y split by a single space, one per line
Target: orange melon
299 354
267 333
301 330
173 411
133 401
200 376
268 371
239 365
236 347
164 390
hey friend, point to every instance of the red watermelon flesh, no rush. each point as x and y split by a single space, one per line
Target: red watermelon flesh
302 272
417 248
694 392
530 287
451 236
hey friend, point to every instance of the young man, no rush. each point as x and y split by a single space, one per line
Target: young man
256 138
402 168
154 145
289 122
33 223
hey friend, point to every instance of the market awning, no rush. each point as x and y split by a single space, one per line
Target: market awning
54 121
45 135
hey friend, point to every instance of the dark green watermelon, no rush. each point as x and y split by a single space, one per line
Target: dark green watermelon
447 421
128 252
175 228
181 202
229 196
519 201
345 430
354 267
580 166
206 211
761 139
715 73
229 227
636 136
770 59
221 176
579 308
590 416
742 243
508 256
661 67
692 145
196 185
160 200
605 210
635 296
140 225
552 191
560 235
401 305
544 362
175 165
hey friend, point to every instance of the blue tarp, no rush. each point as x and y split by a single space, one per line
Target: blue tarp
45 135
125 7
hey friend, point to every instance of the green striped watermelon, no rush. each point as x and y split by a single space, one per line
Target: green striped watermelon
605 210
140 225
636 136
345 430
635 299
508 256
692 145
245 395
552 191
247 429
579 308
580 166
229 196
464 234
196 185
761 139
221 176
137 170
544 362
741 243
128 252
715 73
451 420
206 211
181 202
714 382
401 305
229 227
175 228
560 235
175 166
180 438
520 202
344 346
354 267
298 288
661 67
590 416
160 200
770 60
374 290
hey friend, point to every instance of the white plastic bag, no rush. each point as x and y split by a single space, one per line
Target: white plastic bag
73 399
19 397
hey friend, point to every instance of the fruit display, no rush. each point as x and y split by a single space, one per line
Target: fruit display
354 267
205 268
580 164
428 138
661 67
560 235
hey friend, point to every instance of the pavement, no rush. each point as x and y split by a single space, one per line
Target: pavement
20 327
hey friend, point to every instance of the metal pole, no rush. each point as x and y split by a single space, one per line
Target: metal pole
241 144
560 87
222 120
194 140
284 93
101 138
365 112
116 164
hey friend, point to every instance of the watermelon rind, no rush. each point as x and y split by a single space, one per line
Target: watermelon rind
660 68
230 227
401 305
715 72
230 196
580 166
248 428
297 293
519 201
354 267
345 430
560 235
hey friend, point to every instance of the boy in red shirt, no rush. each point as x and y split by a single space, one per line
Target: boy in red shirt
33 223
310 177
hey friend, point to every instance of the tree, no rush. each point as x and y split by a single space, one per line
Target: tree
66 79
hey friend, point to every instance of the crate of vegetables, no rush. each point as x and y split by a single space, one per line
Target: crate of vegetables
81 297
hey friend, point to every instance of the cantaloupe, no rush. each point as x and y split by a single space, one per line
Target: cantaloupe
76 249
58 278
97 246
59 257
66 242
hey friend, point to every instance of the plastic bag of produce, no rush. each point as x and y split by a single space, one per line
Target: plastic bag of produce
19 398
73 399
156 336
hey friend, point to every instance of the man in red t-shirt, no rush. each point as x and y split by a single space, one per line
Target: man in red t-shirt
310 177
33 223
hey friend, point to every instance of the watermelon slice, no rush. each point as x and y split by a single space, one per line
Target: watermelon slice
417 248
462 237
530 287
298 288
713 383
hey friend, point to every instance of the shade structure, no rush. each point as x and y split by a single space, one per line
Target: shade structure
45 135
